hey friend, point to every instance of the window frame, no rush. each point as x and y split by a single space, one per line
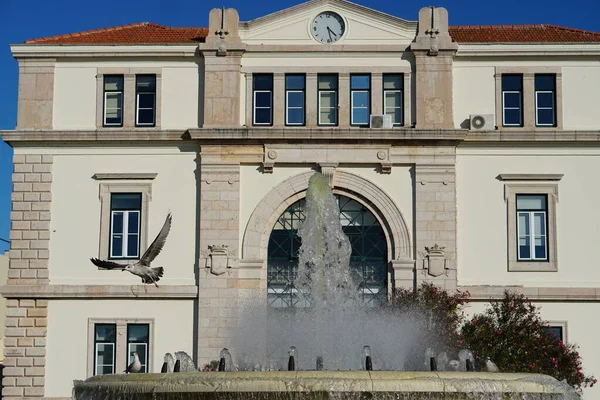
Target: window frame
147 344
137 101
504 107
396 91
287 107
106 190
105 94
255 92
121 347
336 106
95 349
537 108
125 232
563 325
357 91
532 234
511 190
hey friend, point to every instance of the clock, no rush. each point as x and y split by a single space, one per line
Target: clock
328 27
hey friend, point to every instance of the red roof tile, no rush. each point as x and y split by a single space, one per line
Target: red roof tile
140 33
521 34
149 33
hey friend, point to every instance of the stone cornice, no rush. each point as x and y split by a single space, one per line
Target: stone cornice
562 294
528 49
99 291
25 51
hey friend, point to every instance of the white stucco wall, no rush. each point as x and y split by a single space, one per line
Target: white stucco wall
482 218
74 96
180 91
75 224
323 60
67 339
254 186
474 89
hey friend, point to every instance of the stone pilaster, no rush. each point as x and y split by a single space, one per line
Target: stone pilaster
26 319
36 94
435 223
219 249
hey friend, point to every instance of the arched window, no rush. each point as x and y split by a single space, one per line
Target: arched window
369 253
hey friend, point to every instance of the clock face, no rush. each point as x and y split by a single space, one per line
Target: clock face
328 27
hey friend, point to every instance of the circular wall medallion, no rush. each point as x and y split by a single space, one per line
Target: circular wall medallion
381 154
272 154
328 27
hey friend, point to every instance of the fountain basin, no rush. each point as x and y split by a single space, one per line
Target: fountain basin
322 385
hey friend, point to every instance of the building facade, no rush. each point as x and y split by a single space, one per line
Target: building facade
460 155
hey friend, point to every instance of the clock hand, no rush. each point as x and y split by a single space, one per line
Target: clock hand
330 39
330 32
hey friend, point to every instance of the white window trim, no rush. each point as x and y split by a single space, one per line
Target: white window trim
95 361
125 232
255 107
288 107
533 235
335 107
399 108
510 194
147 353
106 189
121 348
504 108
553 108
352 107
120 92
138 109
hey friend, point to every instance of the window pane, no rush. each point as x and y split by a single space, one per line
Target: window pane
556 331
545 117
113 82
360 81
396 115
327 82
295 99
114 101
146 83
295 116
512 117
545 99
106 332
146 100
512 100
117 246
524 224
395 81
360 116
137 332
328 99
539 223
263 82
105 354
328 117
540 248
545 82
294 82
117 222
531 202
393 99
132 245
133 218
126 201
262 116
146 117
262 99
512 82
360 99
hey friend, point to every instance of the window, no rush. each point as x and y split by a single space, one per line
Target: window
105 336
145 98
512 100
360 99
138 341
532 211
113 100
263 99
545 100
531 221
295 86
125 210
112 341
328 99
393 85
558 329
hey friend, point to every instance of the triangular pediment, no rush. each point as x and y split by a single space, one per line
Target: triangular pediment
363 25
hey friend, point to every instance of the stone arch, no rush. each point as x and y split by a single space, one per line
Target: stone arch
274 203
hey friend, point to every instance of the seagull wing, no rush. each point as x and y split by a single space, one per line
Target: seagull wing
106 264
156 246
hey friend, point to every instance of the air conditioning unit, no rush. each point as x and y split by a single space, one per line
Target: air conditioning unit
482 122
380 121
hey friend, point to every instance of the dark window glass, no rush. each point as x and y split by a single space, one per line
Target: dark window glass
360 98
113 100
545 82
145 88
263 99
263 81
556 332
126 201
512 82
327 85
294 99
512 100
545 100
125 225
138 340
104 348
294 82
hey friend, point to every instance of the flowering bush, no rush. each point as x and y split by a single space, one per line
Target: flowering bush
516 339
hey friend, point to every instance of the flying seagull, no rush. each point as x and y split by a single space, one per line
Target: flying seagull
135 365
142 268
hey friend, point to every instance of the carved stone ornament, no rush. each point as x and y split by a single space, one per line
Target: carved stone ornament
435 260
218 259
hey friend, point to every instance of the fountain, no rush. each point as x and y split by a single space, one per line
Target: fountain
330 326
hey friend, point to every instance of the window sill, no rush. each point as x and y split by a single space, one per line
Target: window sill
543 266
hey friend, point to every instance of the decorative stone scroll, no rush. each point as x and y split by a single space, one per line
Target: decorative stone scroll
219 259
435 260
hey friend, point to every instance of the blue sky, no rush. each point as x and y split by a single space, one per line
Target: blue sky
21 20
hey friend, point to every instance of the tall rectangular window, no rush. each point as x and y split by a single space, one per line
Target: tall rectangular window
360 99
512 100
138 339
532 231
295 87
105 336
125 210
393 92
545 100
262 86
113 100
328 99
145 99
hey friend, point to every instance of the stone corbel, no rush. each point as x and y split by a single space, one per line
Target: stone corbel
219 259
435 260
386 165
328 171
269 161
